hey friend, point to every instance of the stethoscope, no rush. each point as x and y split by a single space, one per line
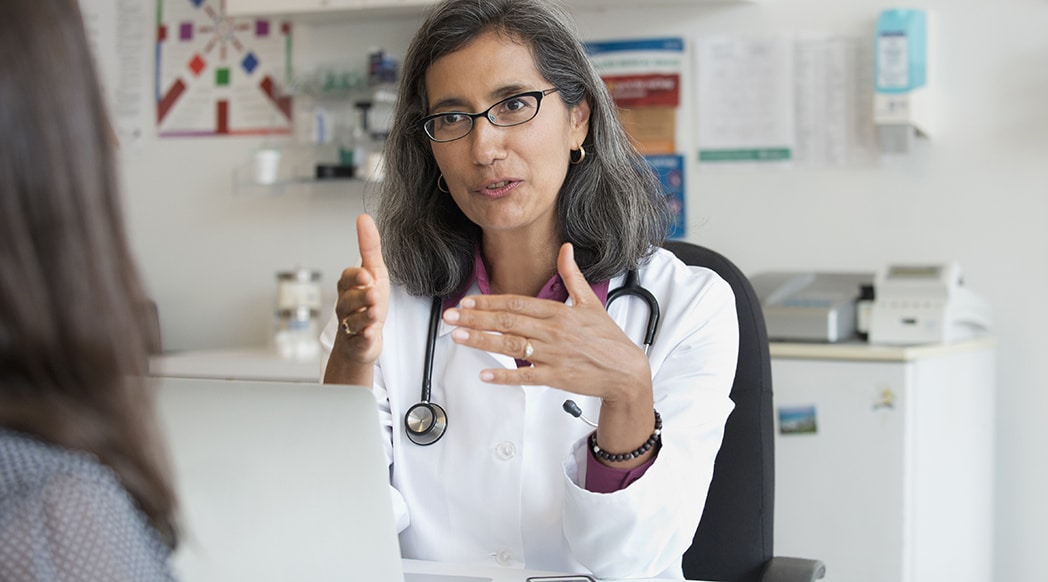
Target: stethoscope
426 421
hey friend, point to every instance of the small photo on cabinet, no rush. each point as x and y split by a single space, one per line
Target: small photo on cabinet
797 420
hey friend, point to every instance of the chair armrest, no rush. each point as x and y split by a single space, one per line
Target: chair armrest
779 569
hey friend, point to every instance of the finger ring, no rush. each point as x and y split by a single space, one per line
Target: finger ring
528 349
345 327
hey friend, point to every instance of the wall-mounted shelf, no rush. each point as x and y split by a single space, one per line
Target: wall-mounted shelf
306 8
601 4
294 171
315 9
245 185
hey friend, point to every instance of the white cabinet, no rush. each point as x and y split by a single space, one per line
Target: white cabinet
884 460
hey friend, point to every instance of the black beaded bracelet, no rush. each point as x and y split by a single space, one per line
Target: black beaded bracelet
613 458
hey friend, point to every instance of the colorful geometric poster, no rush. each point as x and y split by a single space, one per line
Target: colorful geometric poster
220 75
670 171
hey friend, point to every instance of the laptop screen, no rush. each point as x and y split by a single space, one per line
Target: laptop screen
278 481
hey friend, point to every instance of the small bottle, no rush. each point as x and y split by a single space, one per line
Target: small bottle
299 287
863 309
298 314
298 333
363 144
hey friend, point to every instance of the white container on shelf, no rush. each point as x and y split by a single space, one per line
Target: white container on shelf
298 288
298 314
267 166
298 333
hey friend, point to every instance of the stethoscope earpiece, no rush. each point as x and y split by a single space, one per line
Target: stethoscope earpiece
425 423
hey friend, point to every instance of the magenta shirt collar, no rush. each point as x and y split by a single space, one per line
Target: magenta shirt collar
553 290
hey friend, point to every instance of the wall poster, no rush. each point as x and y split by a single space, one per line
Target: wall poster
220 75
643 76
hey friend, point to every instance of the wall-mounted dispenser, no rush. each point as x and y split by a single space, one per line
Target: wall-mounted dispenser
902 108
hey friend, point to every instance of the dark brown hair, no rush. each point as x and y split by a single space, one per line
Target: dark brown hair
75 333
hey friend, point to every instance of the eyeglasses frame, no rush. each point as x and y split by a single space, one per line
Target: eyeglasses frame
538 94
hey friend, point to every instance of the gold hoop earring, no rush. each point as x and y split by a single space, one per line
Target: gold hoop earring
443 189
582 156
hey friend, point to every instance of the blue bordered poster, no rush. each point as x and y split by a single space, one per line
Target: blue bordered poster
670 171
220 75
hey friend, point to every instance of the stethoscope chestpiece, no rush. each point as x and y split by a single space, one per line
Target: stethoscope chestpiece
425 423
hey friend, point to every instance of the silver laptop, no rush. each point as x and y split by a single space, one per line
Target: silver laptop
278 481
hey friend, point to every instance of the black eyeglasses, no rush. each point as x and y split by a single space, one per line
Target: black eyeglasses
515 110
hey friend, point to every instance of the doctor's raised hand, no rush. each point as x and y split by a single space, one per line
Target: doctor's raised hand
576 348
361 307
514 210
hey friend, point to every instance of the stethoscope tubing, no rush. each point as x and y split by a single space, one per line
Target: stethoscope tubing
425 422
435 425
431 346
632 287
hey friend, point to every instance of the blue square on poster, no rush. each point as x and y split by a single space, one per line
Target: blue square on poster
670 171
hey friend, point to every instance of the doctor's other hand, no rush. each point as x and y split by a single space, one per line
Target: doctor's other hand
577 348
363 302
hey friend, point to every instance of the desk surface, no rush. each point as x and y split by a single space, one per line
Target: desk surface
265 364
495 573
241 364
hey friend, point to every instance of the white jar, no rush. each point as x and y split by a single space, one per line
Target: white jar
298 288
298 333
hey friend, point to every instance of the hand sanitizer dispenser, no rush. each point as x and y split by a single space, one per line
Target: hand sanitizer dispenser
901 102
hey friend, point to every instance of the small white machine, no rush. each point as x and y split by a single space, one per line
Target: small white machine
808 306
922 304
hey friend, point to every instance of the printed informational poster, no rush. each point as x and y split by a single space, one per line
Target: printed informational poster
783 100
833 102
120 42
745 99
644 79
220 75
670 170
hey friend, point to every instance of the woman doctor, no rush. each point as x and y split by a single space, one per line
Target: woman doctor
514 197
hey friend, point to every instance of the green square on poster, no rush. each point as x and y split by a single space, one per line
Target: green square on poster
222 76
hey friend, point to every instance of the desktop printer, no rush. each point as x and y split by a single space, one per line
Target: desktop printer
807 306
921 304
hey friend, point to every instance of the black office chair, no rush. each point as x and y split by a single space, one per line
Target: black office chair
733 542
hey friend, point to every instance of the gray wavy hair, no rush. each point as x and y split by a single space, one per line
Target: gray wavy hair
610 207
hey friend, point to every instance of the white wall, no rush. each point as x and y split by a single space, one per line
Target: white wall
978 194
211 250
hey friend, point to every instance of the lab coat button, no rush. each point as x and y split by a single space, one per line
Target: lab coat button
504 557
505 450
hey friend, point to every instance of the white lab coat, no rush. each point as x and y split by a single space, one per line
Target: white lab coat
504 484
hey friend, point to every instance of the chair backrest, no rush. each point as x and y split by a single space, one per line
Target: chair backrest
734 539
